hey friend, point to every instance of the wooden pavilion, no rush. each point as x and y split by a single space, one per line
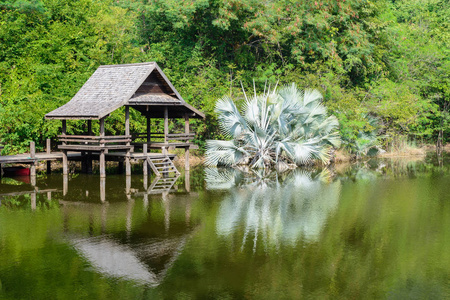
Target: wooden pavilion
143 87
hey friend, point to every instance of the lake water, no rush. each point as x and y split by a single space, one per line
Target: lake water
375 230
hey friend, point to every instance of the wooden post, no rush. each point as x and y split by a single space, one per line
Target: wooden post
33 182
145 200
49 150
166 204
33 156
127 132
83 162
88 159
89 163
102 163
64 129
129 220
149 129
145 182
166 124
145 165
127 164
127 120
128 185
186 150
65 163
65 160
89 127
65 184
102 127
187 181
48 146
102 152
102 189
33 200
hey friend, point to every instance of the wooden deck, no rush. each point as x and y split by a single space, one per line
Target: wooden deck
25 158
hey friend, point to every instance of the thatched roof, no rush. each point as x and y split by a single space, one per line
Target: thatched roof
142 86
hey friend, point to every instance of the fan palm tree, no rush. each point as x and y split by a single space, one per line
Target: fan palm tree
285 125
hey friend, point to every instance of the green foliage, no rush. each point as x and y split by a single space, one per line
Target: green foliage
388 59
46 55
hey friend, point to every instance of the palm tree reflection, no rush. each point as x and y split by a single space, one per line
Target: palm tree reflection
275 208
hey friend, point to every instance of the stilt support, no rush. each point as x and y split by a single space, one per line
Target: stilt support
33 156
145 165
127 164
186 159
65 163
102 165
49 150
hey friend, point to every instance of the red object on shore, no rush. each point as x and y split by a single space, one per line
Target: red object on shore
16 171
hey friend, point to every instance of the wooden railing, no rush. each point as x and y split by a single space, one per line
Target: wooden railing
91 139
160 136
94 143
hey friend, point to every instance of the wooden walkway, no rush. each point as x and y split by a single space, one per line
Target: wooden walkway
25 158
86 158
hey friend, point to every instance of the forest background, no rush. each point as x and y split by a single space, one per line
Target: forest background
387 61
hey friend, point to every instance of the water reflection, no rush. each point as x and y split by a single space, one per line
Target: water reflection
274 209
145 264
264 236
123 227
83 188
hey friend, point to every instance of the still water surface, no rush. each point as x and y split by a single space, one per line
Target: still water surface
378 230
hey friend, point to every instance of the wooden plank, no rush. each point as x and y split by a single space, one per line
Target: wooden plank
181 134
94 137
29 192
116 141
94 148
102 141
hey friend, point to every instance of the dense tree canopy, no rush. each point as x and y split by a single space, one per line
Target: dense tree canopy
382 59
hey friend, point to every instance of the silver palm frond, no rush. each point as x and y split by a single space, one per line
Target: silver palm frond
288 125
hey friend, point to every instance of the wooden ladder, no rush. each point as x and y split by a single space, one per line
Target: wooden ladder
160 185
162 166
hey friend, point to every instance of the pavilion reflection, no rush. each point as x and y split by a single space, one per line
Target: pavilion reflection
131 240
129 229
